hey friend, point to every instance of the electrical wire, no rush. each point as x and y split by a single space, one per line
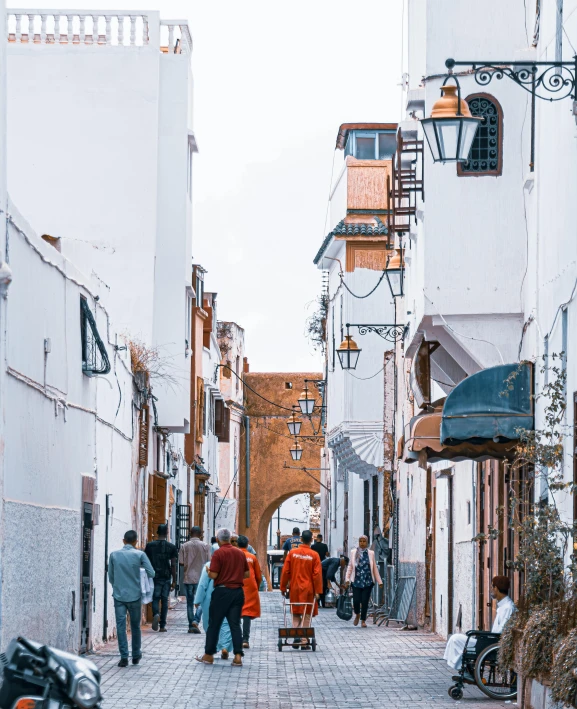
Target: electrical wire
225 366
285 435
361 297
364 379
524 209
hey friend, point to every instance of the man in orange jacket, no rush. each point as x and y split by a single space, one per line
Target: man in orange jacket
302 576
251 608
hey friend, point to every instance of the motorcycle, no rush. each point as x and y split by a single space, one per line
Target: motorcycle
37 676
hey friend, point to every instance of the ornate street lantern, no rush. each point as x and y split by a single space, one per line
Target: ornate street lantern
348 353
451 128
306 402
294 425
296 451
394 273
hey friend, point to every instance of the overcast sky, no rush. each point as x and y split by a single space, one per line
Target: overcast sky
273 82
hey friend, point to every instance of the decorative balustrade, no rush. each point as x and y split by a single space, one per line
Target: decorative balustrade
175 37
122 29
112 29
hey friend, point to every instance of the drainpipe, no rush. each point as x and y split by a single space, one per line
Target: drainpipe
105 599
247 480
475 555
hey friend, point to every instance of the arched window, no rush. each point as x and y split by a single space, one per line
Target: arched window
486 156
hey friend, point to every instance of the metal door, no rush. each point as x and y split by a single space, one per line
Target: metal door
86 584
182 536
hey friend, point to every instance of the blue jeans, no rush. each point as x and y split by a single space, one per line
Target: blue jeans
134 610
193 617
161 593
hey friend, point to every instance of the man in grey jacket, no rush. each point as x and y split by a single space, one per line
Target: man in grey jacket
124 574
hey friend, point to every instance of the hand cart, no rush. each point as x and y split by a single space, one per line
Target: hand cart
288 636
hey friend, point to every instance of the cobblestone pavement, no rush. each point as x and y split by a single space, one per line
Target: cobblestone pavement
353 667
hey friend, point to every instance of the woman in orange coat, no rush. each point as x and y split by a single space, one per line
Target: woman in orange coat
251 608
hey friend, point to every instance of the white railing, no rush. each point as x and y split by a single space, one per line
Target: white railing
175 37
121 29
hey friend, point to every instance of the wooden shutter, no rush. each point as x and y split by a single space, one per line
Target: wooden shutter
199 409
219 418
221 421
226 428
143 437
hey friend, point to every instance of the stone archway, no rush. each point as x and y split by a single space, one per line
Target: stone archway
265 482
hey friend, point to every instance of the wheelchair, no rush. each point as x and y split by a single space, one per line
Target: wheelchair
480 662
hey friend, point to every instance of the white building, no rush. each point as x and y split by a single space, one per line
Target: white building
355 254
490 281
105 260
234 364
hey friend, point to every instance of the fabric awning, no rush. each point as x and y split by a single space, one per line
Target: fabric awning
422 442
490 405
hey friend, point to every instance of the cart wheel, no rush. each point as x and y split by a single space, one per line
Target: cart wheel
455 692
280 645
314 644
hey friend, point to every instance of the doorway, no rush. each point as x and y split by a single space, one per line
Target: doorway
87 535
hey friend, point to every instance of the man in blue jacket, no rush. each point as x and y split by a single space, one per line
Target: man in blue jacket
124 573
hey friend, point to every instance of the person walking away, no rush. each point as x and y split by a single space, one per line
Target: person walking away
505 608
330 567
292 542
229 569
202 604
192 557
213 544
302 578
162 555
362 573
251 608
320 547
124 574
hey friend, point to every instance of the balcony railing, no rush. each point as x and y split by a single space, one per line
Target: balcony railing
96 28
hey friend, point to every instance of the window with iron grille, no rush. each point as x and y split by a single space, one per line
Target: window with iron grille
94 357
486 156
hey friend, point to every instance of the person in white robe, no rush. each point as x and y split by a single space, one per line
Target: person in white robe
505 607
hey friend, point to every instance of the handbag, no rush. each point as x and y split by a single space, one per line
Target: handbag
344 607
146 586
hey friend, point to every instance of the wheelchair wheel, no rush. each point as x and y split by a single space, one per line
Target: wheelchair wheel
455 692
492 680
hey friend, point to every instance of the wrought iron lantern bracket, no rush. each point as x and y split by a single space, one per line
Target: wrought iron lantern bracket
548 81
391 333
554 79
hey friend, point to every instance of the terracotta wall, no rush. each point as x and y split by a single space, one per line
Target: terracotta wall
270 483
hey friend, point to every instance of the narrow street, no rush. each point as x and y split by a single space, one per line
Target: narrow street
359 668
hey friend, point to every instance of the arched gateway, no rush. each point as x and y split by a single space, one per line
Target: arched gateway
265 482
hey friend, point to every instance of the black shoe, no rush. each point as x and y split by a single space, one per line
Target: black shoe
163 630
123 662
155 622
136 660
468 677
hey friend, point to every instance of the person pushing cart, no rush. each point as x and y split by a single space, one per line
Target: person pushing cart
303 579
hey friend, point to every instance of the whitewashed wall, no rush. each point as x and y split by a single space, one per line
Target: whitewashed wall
62 425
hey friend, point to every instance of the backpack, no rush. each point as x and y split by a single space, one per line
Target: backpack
344 607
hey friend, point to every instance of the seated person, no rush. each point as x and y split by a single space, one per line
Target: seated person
505 607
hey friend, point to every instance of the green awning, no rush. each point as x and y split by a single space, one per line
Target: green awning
490 405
